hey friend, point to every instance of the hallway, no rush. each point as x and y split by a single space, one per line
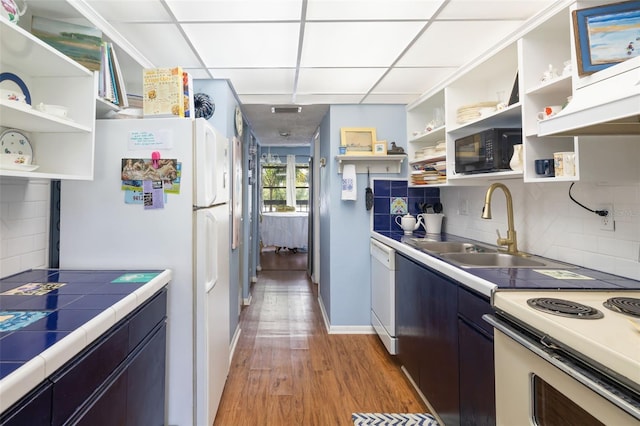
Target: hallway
288 371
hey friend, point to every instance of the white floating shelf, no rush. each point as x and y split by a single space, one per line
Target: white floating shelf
372 163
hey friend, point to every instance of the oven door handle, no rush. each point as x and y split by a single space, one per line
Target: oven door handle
547 353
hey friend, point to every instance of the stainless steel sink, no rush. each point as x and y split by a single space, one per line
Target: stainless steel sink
501 260
446 246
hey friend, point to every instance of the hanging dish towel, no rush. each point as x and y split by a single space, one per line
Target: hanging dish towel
349 184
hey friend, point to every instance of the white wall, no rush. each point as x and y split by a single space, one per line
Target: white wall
24 225
548 223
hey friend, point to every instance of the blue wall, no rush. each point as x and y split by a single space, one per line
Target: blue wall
345 225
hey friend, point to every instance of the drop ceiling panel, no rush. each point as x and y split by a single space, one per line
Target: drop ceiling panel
337 98
493 9
130 11
411 80
198 73
236 10
395 98
455 43
338 80
253 45
371 9
147 37
259 81
355 44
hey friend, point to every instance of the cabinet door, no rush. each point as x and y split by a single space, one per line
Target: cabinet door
409 322
477 389
439 348
34 410
146 382
109 408
427 329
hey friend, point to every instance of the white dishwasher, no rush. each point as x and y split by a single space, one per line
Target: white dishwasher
383 294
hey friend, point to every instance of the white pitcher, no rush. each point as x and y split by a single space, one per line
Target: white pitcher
409 223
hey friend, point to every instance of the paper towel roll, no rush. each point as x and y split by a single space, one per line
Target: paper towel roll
349 183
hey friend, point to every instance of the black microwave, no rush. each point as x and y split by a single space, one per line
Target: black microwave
488 151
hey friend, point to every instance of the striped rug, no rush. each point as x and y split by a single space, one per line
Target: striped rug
389 419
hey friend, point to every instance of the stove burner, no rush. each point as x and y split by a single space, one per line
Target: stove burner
624 305
564 308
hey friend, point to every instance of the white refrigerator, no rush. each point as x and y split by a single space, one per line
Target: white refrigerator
102 227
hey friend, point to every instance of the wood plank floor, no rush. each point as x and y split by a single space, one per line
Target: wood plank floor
288 371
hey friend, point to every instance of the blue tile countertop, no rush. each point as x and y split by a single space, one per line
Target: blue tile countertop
47 316
486 280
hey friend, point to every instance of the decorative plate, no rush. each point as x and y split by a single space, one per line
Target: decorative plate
13 141
18 81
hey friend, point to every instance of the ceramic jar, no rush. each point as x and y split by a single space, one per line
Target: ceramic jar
516 158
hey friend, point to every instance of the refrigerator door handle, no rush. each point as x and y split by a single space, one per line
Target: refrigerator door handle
211 254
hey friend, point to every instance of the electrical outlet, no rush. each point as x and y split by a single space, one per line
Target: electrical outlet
606 222
463 207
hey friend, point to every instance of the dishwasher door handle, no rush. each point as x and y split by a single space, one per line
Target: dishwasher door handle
383 253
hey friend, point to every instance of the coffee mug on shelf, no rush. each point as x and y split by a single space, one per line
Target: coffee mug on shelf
549 111
545 167
564 164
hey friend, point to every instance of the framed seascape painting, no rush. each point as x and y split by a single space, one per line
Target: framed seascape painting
606 35
78 42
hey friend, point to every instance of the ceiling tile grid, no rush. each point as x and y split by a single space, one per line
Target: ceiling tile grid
312 51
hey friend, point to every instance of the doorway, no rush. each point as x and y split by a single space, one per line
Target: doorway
284 175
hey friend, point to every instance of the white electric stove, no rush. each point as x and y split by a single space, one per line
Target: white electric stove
583 345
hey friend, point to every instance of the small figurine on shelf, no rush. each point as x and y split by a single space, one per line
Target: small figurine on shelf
394 150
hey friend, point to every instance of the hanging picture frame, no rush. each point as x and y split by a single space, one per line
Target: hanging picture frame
606 35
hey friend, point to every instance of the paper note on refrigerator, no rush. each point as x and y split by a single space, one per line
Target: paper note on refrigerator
153 195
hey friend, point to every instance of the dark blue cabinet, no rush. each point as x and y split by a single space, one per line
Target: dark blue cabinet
427 328
35 409
477 382
444 344
117 380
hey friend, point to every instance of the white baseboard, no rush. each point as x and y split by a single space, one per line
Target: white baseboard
234 343
325 318
343 329
247 300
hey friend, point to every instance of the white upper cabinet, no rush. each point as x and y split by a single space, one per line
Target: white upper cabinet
62 147
483 95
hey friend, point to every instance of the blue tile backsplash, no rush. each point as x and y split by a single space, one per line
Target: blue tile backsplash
384 191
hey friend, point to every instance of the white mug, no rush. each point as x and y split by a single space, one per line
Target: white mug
549 111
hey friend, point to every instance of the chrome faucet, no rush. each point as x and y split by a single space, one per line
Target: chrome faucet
510 242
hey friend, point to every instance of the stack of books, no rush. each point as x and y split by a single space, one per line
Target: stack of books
111 82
